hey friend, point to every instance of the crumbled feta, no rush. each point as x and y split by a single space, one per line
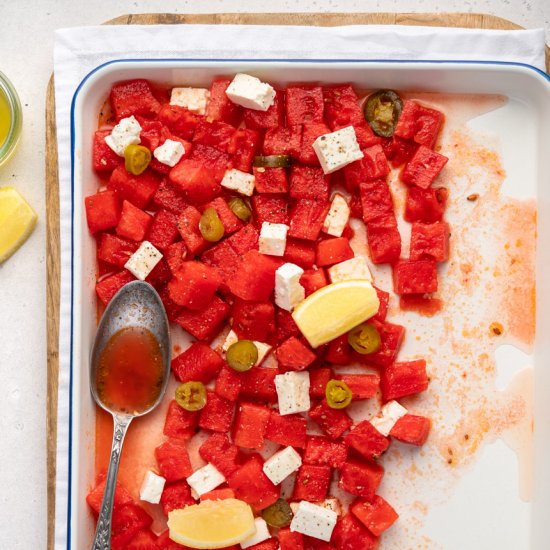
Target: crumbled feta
170 152
232 338
337 149
239 181
125 133
194 99
293 392
205 479
354 268
388 416
143 260
273 238
152 487
262 533
283 463
329 503
250 92
288 290
337 216
314 521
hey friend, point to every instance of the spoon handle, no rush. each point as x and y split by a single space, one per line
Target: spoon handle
102 539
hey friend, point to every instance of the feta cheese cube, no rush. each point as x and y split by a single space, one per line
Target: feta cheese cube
337 149
194 99
250 92
388 416
205 479
314 521
125 133
288 290
239 181
152 487
283 463
354 268
273 238
293 392
143 260
337 216
232 338
262 533
170 152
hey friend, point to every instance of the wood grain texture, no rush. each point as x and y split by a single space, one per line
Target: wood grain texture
464 20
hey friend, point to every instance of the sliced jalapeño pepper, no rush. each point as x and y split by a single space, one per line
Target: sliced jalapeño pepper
191 396
242 355
338 394
364 339
382 111
240 209
272 161
136 159
210 226
279 514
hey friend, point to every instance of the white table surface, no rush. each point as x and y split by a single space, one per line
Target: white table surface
26 43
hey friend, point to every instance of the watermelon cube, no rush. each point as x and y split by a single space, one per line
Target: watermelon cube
230 222
350 534
109 286
419 124
133 223
180 121
323 451
306 154
215 134
133 97
384 240
220 107
175 496
362 386
194 285
175 254
372 166
425 205
318 380
220 452
250 425
333 251
269 208
301 253
253 320
361 478
334 422
342 106
144 540
114 250
283 141
164 229
102 211
244 147
180 424
402 379
95 497
415 277
258 384
304 104
228 384
288 430
290 540
168 197
172 309
270 180
312 483
127 522
188 226
264 120
139 190
398 150
376 200
384 299
199 363
173 460
423 168
412 429
376 516
293 355
217 414
313 279
195 180
306 219
430 241
104 159
367 440
391 337
254 279
286 327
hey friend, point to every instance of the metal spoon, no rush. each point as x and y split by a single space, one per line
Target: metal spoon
137 304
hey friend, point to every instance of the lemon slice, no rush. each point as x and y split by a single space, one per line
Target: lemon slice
212 524
335 309
17 220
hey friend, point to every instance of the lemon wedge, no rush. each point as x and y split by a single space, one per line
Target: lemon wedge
17 220
335 309
212 524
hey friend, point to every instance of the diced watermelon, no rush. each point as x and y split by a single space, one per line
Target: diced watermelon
244 146
361 478
133 223
342 106
377 516
362 386
425 205
215 134
173 460
423 168
263 120
253 320
204 324
228 384
308 182
323 451
179 120
384 299
160 275
412 429
259 384
294 355
312 483
144 540
194 285
197 363
254 279
301 253
127 522
224 258
313 279
430 241
310 132
333 251
164 230
175 255
367 440
104 159
251 484
220 452
244 240
139 190
217 414
250 425
333 422
402 379
318 380
290 540
95 497
269 208
218 494
288 430
114 250
415 277
372 166
180 424
349 534
306 219
286 327
283 141
419 124
168 197
391 336
270 180
376 200
188 226
220 107
102 211
133 97
304 104
384 240
399 151
152 133
109 286
175 496
339 351
195 180
356 207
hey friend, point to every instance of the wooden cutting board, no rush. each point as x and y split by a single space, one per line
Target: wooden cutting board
466 20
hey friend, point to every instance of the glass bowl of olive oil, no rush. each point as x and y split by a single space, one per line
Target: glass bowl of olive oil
10 118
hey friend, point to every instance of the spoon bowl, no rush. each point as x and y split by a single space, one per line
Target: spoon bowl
136 305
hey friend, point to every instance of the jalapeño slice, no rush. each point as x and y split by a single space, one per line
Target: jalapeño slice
272 161
191 396
364 339
279 514
338 394
136 159
242 355
382 111
240 209
210 226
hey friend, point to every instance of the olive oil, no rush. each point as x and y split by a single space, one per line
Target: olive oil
5 117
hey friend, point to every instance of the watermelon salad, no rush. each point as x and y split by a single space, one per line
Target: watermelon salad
235 202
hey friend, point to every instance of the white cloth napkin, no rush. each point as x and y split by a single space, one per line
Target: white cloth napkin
79 50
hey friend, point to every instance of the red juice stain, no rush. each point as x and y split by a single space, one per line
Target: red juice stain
428 307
